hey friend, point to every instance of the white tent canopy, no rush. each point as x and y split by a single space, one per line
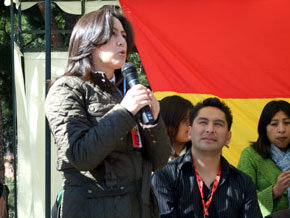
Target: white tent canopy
30 97
70 7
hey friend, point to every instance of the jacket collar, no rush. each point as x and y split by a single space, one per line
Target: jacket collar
185 162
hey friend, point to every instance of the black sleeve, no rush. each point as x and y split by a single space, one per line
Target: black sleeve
164 187
250 207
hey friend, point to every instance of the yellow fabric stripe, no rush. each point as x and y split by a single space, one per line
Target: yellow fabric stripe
246 113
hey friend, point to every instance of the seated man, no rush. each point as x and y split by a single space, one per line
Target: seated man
202 183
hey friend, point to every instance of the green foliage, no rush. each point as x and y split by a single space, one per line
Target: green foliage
32 23
10 184
135 59
58 16
6 76
7 128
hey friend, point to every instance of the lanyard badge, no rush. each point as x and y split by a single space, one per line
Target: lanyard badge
136 138
200 187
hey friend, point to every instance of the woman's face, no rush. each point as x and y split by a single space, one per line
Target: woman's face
278 130
112 55
183 131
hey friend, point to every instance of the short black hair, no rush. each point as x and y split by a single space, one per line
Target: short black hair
214 102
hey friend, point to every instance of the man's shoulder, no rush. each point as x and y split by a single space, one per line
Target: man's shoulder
172 169
235 174
239 176
172 166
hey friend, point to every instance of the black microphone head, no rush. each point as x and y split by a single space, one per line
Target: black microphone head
130 72
127 68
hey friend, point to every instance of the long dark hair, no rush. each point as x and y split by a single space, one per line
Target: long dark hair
173 110
91 31
263 145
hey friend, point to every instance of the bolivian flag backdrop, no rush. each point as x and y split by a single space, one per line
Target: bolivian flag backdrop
237 50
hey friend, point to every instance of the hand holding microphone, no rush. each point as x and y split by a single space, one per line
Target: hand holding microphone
139 98
135 99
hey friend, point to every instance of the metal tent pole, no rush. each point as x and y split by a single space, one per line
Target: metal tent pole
47 130
13 108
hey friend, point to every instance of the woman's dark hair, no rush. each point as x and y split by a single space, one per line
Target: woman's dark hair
173 110
91 31
263 145
214 102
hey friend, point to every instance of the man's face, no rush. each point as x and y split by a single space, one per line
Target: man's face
209 130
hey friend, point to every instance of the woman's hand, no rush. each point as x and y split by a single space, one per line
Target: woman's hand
136 98
283 182
154 106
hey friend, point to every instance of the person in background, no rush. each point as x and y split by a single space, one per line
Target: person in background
175 112
104 152
202 183
267 160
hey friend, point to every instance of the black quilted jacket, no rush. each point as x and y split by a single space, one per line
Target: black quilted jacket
95 151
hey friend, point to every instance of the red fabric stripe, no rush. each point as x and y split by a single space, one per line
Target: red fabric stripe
232 49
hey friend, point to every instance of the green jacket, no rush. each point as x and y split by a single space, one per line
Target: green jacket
264 174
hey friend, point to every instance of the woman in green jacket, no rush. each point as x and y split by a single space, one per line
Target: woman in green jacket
267 160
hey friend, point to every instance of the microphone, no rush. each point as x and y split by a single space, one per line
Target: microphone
129 71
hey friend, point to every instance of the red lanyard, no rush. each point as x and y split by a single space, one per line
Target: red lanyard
200 187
